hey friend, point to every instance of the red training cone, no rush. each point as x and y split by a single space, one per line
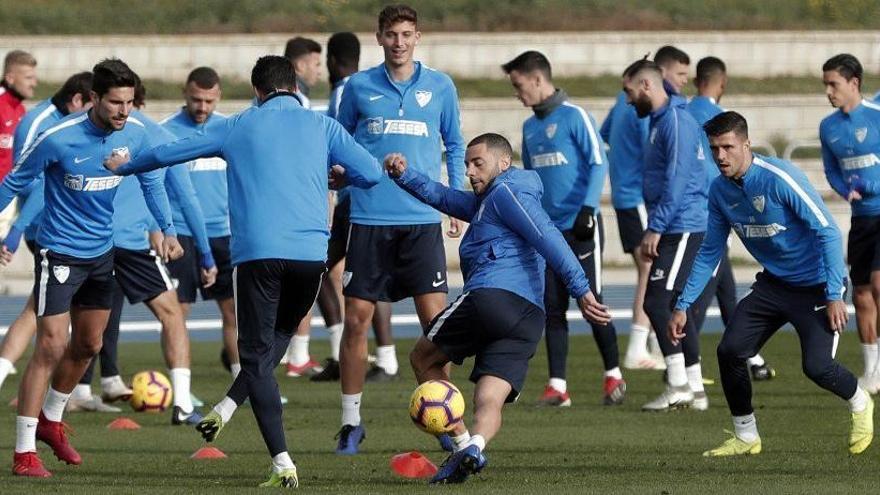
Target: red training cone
123 423
413 465
208 453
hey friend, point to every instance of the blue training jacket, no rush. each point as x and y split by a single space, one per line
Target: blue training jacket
79 191
385 119
674 180
625 134
851 148
31 201
208 176
509 237
782 222
569 156
278 155
703 109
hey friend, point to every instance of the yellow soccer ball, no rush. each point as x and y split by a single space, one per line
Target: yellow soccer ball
150 392
436 406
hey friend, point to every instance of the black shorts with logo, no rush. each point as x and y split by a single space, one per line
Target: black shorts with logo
339 232
676 256
863 249
186 270
141 274
631 223
497 326
62 281
393 262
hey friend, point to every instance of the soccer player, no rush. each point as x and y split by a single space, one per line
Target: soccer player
277 155
710 82
561 144
784 224
72 97
18 84
851 155
305 55
499 317
201 93
395 247
74 266
675 196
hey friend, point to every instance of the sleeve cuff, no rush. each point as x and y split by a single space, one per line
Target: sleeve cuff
170 230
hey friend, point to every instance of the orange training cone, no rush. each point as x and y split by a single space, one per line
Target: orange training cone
413 465
208 453
123 423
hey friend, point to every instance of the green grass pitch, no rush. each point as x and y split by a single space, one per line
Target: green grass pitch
587 448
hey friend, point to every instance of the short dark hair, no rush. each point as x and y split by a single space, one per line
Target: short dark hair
493 141
345 49
300 47
639 66
847 65
112 73
708 68
77 84
140 94
392 14
203 77
528 62
669 53
272 73
727 122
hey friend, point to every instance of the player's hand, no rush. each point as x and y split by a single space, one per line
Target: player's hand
395 165
209 276
853 196
593 310
156 238
5 255
455 228
116 160
337 179
171 248
675 327
837 315
649 245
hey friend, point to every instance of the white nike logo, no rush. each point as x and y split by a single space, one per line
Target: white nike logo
584 256
834 140
657 277
8 123
817 308
374 98
734 205
79 160
438 283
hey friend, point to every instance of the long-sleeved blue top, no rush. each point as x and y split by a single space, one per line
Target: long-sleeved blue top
625 133
851 148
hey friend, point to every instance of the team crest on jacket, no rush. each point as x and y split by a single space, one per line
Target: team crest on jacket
61 273
423 97
861 134
758 203
551 131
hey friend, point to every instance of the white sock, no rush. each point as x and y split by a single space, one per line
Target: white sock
755 360
638 340
235 369
180 378
351 409
225 408
477 440
559 384
53 407
695 377
869 353
82 391
614 373
5 368
746 427
281 462
25 434
462 439
675 370
335 340
859 401
386 358
299 350
654 345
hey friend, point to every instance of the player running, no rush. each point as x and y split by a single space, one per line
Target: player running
74 267
675 196
499 318
395 247
851 154
277 155
561 144
784 224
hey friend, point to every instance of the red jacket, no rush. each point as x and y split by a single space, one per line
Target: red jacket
11 111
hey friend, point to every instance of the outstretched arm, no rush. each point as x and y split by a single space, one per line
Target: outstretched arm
459 204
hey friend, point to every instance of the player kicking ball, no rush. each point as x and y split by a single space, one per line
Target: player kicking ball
499 317
784 224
